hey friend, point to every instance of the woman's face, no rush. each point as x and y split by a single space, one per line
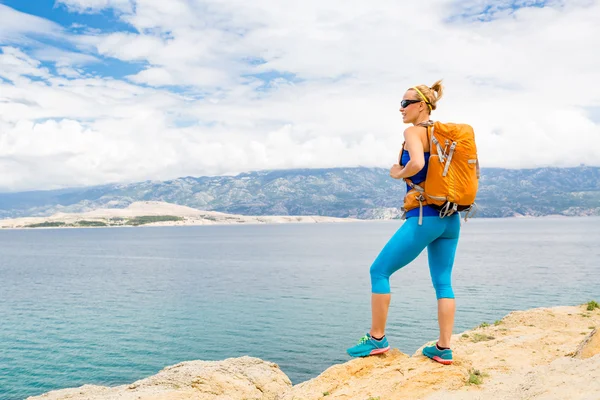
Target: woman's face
410 112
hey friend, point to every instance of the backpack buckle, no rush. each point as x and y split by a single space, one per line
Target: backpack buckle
448 209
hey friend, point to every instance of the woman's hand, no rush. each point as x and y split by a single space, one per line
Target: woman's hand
395 171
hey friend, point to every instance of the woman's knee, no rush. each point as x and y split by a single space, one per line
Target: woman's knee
443 290
380 281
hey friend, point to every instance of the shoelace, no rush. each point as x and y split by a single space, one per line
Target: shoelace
364 339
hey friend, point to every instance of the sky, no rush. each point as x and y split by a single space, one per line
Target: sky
111 91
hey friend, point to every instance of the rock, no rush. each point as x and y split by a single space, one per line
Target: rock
512 358
563 378
544 353
232 379
386 376
590 346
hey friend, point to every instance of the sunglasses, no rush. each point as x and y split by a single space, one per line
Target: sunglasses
406 103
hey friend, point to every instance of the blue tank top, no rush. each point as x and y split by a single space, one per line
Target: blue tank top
417 178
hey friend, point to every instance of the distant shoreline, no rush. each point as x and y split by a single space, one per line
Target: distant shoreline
158 225
44 223
154 214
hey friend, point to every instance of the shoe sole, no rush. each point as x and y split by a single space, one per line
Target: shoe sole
372 353
441 360
379 351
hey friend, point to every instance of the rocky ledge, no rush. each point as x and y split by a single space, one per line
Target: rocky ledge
545 353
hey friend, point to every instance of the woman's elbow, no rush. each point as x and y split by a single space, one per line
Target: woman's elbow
418 165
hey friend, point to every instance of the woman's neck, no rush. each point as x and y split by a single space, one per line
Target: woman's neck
420 120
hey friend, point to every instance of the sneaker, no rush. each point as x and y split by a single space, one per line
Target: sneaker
441 356
367 346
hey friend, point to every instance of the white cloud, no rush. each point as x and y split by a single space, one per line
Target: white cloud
126 46
70 72
62 58
93 6
525 78
16 26
154 76
17 66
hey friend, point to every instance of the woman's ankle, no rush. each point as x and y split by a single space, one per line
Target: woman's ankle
445 346
377 335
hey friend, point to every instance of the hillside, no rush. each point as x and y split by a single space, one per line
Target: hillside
367 193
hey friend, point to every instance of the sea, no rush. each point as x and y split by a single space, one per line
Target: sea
109 306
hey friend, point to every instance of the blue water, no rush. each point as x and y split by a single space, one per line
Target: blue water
110 306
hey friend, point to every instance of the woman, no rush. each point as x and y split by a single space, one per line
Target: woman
439 235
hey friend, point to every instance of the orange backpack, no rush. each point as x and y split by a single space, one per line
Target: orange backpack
452 177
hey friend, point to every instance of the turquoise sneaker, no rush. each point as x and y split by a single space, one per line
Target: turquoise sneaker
441 356
367 346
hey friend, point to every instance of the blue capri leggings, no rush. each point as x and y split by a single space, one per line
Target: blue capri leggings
439 235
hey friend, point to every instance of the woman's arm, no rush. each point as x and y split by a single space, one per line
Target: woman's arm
414 146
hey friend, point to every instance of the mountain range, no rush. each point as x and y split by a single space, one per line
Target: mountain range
367 193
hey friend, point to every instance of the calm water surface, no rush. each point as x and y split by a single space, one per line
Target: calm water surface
110 306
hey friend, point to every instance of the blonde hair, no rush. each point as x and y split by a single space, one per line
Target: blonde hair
430 95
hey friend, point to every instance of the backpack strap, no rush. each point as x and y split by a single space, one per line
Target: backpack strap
409 182
420 198
434 142
471 211
426 123
447 166
414 185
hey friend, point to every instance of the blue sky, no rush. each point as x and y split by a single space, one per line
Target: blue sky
126 90
490 10
75 23
107 20
104 20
